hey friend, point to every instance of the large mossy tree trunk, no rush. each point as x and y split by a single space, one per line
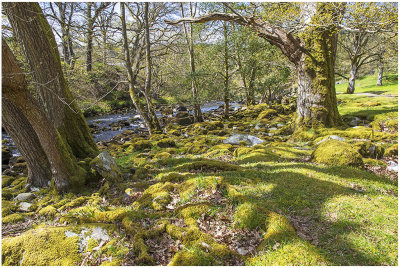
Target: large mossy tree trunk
313 53
39 45
63 164
28 144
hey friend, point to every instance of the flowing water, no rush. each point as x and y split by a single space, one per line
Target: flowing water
104 122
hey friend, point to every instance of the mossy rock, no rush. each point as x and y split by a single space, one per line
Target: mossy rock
7 207
267 114
41 247
193 257
141 145
370 150
172 176
166 143
337 153
6 181
207 166
48 211
248 216
392 150
162 155
241 151
13 218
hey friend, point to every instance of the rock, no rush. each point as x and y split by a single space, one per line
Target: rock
237 138
104 164
181 108
5 155
167 111
24 206
393 166
355 121
242 251
183 121
24 197
100 234
338 153
332 137
20 167
370 150
280 125
20 159
272 129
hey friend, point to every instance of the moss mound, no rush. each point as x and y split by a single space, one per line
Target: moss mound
41 247
333 152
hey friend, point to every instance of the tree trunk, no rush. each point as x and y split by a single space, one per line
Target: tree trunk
316 95
133 92
352 79
104 48
40 48
226 75
147 88
28 144
66 173
380 74
89 37
198 117
250 92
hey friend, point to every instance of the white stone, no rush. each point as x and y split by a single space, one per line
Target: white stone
24 206
24 197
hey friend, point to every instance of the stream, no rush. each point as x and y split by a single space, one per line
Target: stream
106 132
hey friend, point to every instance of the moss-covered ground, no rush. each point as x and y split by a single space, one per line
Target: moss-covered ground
189 199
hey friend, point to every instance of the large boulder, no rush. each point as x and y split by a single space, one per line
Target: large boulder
337 153
237 138
104 164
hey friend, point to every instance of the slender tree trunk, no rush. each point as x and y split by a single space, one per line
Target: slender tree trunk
226 75
40 48
147 88
250 93
89 37
352 80
380 74
104 48
133 92
198 117
66 173
28 144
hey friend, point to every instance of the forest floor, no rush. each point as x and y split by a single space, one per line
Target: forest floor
188 198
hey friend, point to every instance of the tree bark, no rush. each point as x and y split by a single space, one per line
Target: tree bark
250 91
66 173
40 48
226 75
313 55
89 36
380 74
28 144
352 80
